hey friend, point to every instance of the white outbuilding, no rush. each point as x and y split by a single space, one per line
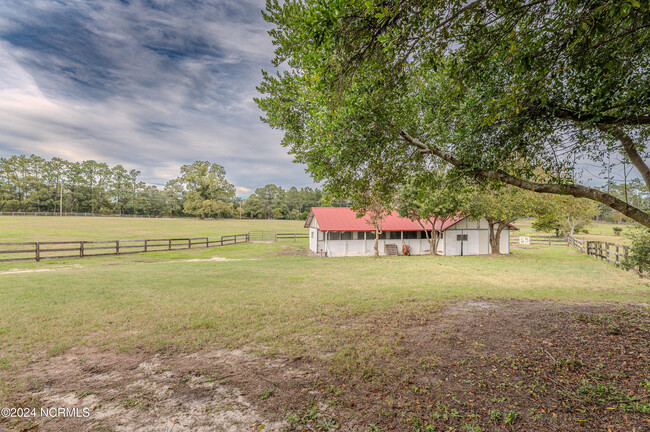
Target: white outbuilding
337 231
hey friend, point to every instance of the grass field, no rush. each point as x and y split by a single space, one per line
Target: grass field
51 228
45 228
597 231
265 335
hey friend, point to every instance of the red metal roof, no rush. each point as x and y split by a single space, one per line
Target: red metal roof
345 219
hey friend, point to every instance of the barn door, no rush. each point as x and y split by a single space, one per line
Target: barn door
462 243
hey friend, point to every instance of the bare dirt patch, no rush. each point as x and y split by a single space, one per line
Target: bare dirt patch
478 365
286 250
138 392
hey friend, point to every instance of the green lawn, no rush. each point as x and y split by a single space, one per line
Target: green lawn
268 296
52 228
270 299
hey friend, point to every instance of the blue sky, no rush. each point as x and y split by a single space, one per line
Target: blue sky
150 84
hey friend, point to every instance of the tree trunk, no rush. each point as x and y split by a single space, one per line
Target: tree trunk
494 240
495 237
433 244
432 238
376 242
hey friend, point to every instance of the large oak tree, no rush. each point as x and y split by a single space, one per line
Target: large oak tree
498 89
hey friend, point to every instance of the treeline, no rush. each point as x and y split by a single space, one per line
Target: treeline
34 184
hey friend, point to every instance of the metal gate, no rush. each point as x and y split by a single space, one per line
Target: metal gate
261 236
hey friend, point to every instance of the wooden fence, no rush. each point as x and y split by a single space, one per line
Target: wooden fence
612 252
92 215
88 248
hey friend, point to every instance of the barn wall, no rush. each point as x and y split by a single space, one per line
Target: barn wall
336 248
504 242
469 247
313 235
484 241
477 242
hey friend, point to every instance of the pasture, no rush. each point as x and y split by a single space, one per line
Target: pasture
597 231
52 228
263 335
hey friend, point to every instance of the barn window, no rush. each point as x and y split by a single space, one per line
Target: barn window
312 234
335 236
461 237
370 235
346 235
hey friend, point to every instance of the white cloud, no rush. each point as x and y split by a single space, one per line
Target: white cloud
151 89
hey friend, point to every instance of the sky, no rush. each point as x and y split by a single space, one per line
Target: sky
149 84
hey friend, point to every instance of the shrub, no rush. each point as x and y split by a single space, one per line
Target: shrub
640 250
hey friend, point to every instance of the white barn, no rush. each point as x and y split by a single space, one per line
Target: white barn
337 231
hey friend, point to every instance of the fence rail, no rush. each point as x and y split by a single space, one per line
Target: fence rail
88 248
612 252
294 236
37 251
92 215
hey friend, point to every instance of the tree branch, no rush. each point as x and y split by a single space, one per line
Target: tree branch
565 114
575 190
630 151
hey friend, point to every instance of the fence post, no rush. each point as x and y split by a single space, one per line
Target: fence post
616 254
276 236
206 243
145 244
38 251
221 240
626 250
81 249
117 247
170 244
189 243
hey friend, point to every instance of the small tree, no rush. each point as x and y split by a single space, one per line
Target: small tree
377 212
376 200
434 199
563 213
501 207
640 251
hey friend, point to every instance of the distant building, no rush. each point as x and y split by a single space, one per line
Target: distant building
337 231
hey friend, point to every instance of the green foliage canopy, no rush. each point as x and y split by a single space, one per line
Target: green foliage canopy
432 198
498 89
